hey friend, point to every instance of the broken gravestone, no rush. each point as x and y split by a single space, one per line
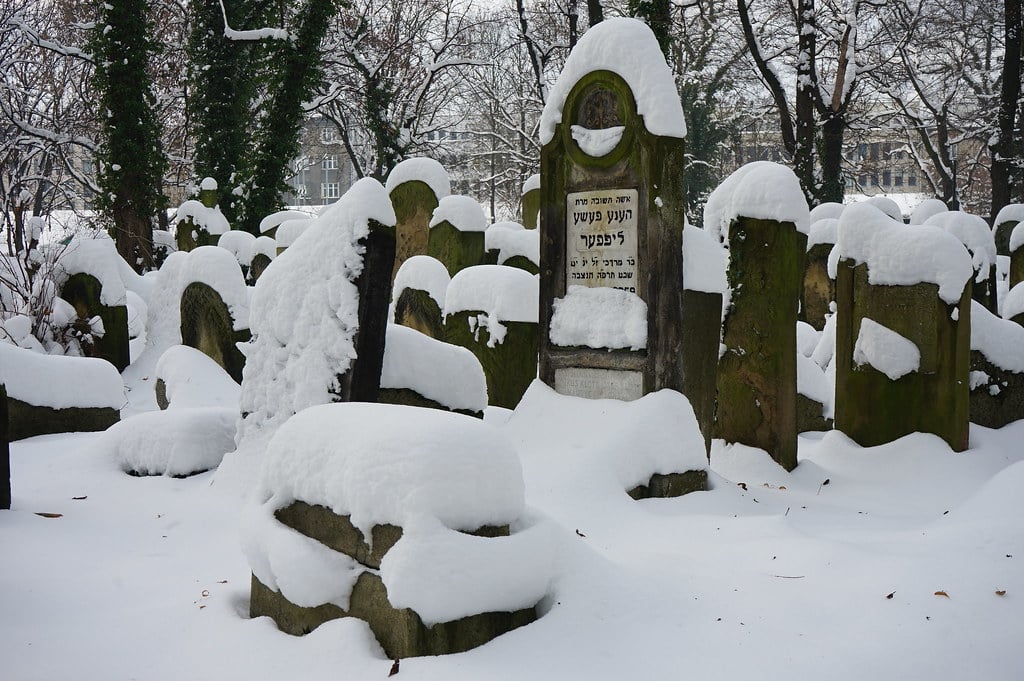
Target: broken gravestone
902 330
759 213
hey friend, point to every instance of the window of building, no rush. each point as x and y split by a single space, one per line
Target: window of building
862 180
873 153
329 135
330 162
912 179
886 178
330 190
897 181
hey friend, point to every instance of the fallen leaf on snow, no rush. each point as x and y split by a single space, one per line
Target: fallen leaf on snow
891 595
942 593
50 515
1001 592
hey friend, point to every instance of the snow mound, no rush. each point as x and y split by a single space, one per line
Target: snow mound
761 190
532 182
448 374
210 219
176 442
1016 237
1013 212
422 273
425 170
886 350
99 258
807 338
394 465
462 212
289 231
628 48
58 381
192 379
900 255
704 262
1000 340
927 209
975 234
599 317
824 231
830 210
1013 304
510 242
305 312
276 219
238 243
812 382
887 206
264 245
507 294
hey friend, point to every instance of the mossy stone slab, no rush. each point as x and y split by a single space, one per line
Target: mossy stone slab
818 289
670 485
414 203
83 291
510 366
1001 400
207 325
28 420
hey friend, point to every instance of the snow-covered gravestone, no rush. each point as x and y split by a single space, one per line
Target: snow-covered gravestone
492 311
405 521
415 186
903 330
819 289
90 280
531 201
509 243
997 369
759 212
5 451
457 233
974 233
418 295
200 222
612 218
1007 219
1016 249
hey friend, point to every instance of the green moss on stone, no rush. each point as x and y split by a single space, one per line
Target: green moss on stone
1002 235
83 291
414 203
417 310
456 249
531 208
510 366
757 373
702 323
667 486
411 398
809 416
206 325
818 289
995 408
523 263
28 420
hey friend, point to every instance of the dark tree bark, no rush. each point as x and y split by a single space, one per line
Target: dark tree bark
1005 165
595 13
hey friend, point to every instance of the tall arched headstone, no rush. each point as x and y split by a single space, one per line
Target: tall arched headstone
611 220
415 186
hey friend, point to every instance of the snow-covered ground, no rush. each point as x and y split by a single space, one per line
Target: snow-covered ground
896 562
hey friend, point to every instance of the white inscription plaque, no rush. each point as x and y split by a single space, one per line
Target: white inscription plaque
601 243
599 383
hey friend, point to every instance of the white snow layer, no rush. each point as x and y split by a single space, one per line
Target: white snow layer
901 255
1016 237
532 182
192 379
824 231
927 209
510 242
704 262
626 47
1013 304
59 381
597 143
238 243
885 350
275 219
174 442
807 338
811 382
1000 340
599 317
760 190
624 443
305 312
887 206
264 245
210 219
1013 212
394 464
422 273
289 231
425 170
99 258
208 184
448 374
974 233
830 210
506 294
464 213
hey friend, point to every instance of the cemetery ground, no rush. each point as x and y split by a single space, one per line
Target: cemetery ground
895 562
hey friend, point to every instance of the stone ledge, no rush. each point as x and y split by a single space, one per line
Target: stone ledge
666 486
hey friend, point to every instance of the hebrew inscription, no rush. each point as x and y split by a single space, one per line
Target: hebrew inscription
601 241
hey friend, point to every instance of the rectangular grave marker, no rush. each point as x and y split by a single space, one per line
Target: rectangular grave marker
601 239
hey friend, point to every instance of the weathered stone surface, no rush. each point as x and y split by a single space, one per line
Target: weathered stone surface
417 310
414 202
999 401
83 292
809 416
522 262
640 180
400 632
5 453
260 262
456 249
1016 267
160 388
1002 235
702 324
757 373
871 408
531 208
28 420
818 288
671 485
337 532
206 325
412 398
510 366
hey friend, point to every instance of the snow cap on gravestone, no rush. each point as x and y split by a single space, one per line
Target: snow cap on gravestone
628 48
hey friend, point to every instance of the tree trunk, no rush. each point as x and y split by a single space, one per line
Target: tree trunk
1002 150
595 13
832 187
803 158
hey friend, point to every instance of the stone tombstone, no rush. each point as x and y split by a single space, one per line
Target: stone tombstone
1005 222
5 453
997 369
974 233
1015 244
611 218
207 325
531 202
757 371
457 230
818 289
83 292
415 186
878 397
